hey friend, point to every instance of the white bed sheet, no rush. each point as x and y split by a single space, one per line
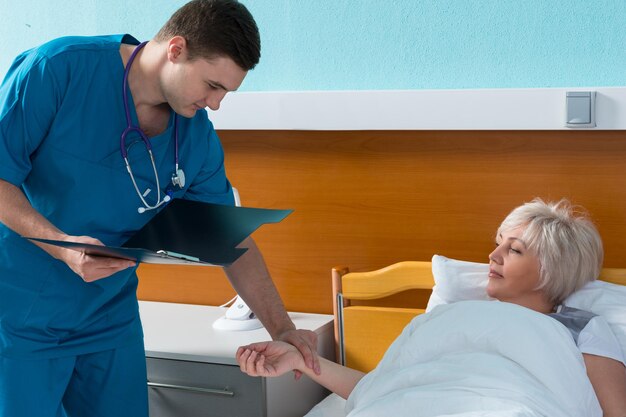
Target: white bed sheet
331 406
474 358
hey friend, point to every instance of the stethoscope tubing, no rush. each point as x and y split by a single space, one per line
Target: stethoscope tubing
132 128
129 124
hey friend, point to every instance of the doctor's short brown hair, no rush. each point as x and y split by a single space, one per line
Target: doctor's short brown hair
216 28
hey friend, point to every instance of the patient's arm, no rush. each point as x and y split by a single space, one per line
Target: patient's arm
608 378
276 358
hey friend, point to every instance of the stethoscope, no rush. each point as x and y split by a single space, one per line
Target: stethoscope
178 176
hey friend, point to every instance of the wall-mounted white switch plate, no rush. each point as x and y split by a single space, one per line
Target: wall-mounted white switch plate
580 109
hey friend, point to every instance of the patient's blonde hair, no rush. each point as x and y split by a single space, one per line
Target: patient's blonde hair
564 239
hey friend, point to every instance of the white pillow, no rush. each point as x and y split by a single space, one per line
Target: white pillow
457 281
461 280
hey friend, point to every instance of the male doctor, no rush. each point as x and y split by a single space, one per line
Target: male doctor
71 342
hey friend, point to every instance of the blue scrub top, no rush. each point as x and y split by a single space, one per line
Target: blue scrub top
61 117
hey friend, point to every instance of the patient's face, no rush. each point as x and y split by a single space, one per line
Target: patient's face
513 270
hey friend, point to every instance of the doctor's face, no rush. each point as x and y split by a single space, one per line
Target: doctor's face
513 269
190 85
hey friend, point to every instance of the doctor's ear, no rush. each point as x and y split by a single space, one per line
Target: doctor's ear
176 48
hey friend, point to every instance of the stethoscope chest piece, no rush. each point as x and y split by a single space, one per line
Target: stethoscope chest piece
178 178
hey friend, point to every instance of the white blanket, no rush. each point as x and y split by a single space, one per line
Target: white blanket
478 358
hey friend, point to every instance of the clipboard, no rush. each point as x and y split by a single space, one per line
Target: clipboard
187 232
143 255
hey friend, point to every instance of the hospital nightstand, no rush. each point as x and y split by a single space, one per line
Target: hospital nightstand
192 370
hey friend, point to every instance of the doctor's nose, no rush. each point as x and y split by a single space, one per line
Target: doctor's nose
213 105
213 100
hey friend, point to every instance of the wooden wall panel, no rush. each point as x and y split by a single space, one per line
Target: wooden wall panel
369 199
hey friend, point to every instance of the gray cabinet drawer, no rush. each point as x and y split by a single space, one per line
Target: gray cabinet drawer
195 389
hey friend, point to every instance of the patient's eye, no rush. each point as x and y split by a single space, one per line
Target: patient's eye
517 251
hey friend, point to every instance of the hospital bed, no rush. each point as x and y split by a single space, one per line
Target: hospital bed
366 324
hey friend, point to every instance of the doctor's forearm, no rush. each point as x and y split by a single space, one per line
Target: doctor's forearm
251 279
18 214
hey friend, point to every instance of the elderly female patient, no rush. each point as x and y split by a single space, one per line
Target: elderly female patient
544 252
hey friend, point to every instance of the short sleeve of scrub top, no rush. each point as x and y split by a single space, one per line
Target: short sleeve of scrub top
28 98
210 183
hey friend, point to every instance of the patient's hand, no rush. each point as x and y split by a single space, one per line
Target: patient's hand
269 359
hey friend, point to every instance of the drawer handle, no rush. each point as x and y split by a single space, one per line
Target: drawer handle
210 391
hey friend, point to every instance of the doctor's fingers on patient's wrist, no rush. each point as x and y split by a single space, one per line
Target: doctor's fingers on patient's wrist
307 345
300 338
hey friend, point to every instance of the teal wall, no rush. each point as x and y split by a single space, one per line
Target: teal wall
377 44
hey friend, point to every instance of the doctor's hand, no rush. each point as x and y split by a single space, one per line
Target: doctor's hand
269 359
306 343
90 268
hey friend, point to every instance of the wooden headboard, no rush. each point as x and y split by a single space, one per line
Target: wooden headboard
372 198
